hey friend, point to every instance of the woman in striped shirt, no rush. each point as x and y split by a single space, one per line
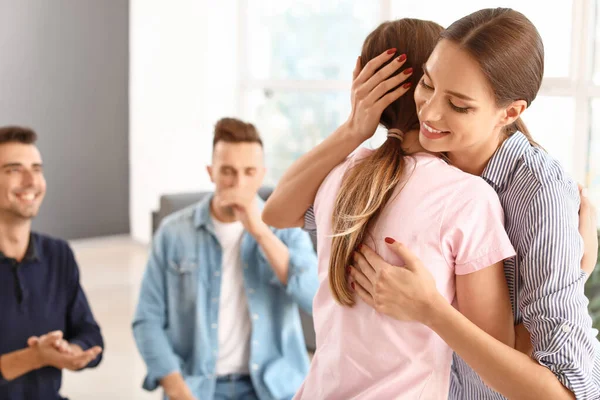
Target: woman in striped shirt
485 71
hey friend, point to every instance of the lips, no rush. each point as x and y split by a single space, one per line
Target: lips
431 133
26 197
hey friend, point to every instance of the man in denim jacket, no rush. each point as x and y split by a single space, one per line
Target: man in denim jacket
217 316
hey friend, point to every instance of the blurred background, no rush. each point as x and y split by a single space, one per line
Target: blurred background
124 96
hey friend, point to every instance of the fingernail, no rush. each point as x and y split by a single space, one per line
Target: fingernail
408 71
348 269
353 287
391 51
389 240
359 247
407 85
401 58
584 192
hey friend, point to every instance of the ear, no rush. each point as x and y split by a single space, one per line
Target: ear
512 112
209 169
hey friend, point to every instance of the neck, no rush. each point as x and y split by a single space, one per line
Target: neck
14 238
473 160
411 144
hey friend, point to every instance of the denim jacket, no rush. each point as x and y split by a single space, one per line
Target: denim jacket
176 321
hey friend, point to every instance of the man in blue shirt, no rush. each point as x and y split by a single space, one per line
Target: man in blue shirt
47 324
217 316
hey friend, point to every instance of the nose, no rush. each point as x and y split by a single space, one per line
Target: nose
27 179
431 109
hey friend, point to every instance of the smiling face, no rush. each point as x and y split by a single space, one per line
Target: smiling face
456 104
22 182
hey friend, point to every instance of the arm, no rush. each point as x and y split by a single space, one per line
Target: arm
81 327
483 298
302 280
276 253
504 369
175 387
18 363
42 352
589 233
409 293
588 230
151 319
298 187
552 299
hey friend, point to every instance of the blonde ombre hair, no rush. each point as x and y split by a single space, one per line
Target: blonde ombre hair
368 185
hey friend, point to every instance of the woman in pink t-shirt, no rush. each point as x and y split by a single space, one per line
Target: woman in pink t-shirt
449 218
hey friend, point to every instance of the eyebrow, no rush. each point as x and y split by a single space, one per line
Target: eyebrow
14 164
453 93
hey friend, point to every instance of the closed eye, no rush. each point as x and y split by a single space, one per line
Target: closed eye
456 108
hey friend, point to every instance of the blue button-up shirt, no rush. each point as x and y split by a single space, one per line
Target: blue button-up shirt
176 322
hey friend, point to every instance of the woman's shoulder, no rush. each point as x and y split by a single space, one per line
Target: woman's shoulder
432 168
332 182
545 169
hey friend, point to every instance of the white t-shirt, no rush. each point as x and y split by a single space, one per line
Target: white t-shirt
234 319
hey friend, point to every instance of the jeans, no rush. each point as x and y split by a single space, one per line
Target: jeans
234 387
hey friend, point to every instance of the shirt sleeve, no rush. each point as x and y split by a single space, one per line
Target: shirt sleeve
552 298
473 235
310 224
150 317
303 280
82 328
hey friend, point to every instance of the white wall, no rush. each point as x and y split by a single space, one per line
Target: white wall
183 78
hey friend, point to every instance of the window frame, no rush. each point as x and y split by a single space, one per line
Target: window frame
578 85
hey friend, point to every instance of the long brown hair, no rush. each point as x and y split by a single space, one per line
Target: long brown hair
368 186
509 50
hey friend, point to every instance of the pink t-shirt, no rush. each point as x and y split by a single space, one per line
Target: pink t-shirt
454 223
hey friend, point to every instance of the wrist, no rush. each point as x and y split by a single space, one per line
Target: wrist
349 133
174 385
261 231
435 314
36 358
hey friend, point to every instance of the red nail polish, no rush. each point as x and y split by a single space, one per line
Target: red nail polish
353 287
348 269
389 240
407 85
359 247
391 51
402 58
408 71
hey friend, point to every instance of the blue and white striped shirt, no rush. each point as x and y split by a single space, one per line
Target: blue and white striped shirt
546 283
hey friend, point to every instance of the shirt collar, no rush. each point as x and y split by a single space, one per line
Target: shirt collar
31 254
506 159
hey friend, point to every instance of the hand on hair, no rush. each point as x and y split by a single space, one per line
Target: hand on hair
373 90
